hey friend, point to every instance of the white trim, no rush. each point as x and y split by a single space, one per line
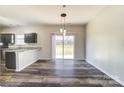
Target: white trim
79 59
68 34
65 59
44 58
110 75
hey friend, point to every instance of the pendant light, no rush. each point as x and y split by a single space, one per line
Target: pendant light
63 29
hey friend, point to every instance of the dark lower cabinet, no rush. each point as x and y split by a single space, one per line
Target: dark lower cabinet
10 60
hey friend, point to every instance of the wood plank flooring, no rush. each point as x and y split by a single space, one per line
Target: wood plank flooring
59 73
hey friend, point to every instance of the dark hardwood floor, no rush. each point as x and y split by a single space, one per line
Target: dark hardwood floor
59 73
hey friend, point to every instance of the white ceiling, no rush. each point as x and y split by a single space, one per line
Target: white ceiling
47 14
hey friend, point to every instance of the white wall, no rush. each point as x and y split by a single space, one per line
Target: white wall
44 38
105 42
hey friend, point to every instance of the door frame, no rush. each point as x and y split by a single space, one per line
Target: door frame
53 52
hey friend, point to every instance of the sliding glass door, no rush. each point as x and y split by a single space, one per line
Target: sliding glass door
63 46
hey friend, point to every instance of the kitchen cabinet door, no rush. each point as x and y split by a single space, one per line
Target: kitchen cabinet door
30 38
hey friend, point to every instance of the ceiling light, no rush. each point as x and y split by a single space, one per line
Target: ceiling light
63 25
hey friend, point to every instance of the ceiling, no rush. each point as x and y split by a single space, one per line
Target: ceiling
47 14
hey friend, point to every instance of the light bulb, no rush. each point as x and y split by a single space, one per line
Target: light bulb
61 30
64 32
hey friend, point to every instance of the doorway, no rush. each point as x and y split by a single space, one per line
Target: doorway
63 46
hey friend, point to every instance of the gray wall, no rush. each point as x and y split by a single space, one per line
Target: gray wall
105 42
44 38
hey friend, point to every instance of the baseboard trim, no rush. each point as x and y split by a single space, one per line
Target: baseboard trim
44 58
66 59
113 77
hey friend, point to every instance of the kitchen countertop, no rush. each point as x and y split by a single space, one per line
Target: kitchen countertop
19 49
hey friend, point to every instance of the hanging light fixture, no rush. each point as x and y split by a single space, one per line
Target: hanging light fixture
63 29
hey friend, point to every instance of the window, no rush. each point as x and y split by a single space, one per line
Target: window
63 47
19 40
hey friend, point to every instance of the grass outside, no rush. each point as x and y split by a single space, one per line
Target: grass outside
68 49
